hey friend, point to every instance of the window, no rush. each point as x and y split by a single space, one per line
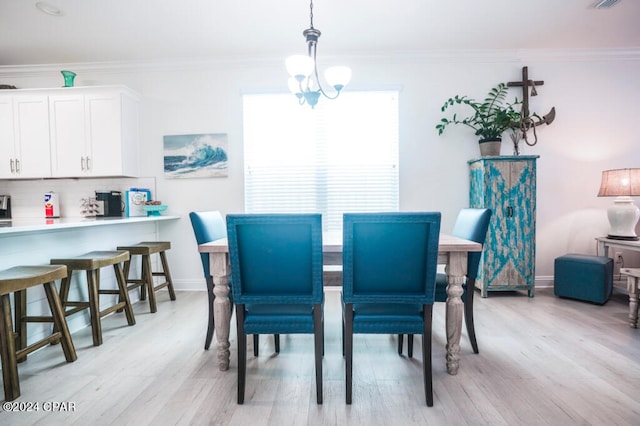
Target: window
340 157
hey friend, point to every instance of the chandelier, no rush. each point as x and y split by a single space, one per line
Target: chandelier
304 81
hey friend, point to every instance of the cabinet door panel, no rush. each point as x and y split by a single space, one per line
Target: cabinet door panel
31 118
104 115
7 148
523 225
68 138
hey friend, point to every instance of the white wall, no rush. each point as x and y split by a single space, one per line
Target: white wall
595 95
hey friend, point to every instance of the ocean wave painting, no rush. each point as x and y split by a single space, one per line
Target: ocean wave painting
195 156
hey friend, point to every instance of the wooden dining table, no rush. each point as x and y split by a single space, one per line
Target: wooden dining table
452 252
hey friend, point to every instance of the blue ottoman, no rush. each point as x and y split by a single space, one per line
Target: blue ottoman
583 277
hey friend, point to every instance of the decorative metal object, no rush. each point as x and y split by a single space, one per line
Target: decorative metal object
530 121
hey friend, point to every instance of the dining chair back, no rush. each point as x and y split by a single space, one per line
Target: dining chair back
471 224
276 265
389 274
208 226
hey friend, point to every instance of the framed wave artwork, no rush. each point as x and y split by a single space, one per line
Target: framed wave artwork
195 156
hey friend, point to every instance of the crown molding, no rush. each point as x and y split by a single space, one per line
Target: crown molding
433 56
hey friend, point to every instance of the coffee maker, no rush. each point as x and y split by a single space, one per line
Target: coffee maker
109 203
5 207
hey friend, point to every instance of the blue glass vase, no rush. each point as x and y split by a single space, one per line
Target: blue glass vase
68 78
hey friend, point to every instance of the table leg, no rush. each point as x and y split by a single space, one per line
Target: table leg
221 306
632 288
456 270
603 249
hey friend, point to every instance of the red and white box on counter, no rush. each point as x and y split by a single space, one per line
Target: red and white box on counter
51 205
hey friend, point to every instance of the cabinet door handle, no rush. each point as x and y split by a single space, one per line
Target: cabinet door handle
17 166
88 164
13 170
82 163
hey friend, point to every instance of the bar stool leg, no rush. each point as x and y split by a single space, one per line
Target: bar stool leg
20 302
8 352
93 278
125 271
65 284
57 313
147 276
124 294
167 275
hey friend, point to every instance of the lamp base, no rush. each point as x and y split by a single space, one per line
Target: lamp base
623 216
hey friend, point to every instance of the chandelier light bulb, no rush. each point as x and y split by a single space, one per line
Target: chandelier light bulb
338 77
299 66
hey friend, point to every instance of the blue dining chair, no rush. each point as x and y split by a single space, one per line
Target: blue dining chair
471 224
389 277
210 226
276 264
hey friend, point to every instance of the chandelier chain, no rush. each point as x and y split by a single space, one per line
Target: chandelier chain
311 13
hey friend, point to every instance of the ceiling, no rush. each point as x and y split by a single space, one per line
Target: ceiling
161 30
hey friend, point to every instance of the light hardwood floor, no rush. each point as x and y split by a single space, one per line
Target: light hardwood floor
542 361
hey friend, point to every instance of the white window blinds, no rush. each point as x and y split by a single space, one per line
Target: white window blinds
340 157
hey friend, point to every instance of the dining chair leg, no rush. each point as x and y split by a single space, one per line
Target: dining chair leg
426 354
343 348
468 313
410 345
318 348
323 334
256 343
211 323
242 353
400 343
349 349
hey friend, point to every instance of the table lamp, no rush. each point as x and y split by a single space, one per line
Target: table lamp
623 214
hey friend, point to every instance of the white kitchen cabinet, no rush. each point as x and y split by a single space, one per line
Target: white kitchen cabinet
24 136
94 132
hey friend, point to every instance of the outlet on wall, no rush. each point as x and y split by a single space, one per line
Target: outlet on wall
618 257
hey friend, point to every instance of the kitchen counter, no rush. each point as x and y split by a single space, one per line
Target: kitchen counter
26 225
35 241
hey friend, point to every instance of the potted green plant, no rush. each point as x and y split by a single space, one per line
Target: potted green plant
490 118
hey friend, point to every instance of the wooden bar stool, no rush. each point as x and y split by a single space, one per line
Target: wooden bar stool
16 280
91 263
146 282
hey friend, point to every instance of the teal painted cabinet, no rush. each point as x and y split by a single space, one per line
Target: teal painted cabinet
507 186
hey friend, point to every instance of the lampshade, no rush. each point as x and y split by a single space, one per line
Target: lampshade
299 66
338 77
624 214
620 182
